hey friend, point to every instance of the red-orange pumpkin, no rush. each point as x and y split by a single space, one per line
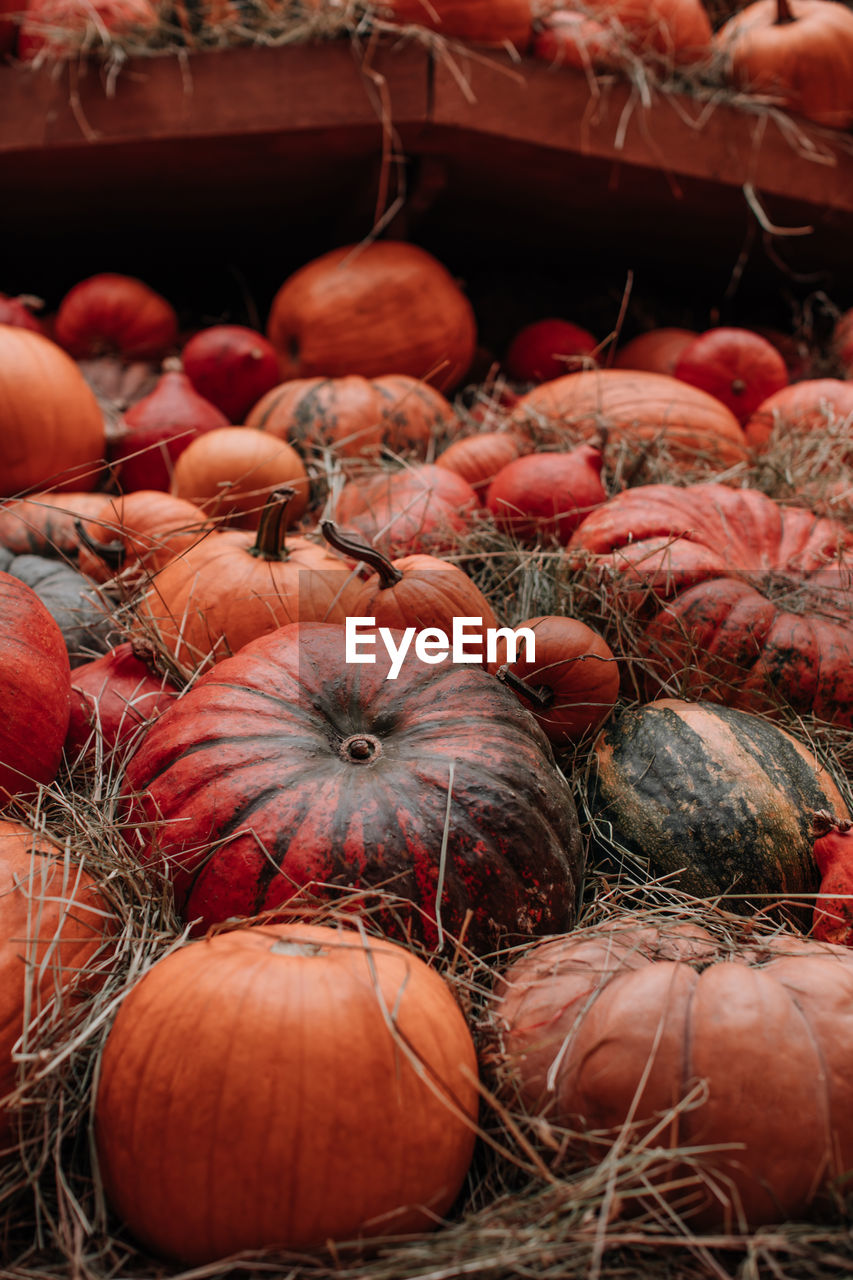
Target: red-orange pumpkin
547 349
138 533
798 52
44 398
811 405
737 366
53 922
115 314
388 307
639 407
677 31
35 691
112 699
479 458
655 351
45 524
421 508
479 22
833 852
607 1031
355 1036
231 471
542 496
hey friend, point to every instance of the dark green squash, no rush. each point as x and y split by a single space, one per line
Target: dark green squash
720 800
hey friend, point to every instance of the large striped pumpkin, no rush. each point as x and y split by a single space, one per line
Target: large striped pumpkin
719 799
284 766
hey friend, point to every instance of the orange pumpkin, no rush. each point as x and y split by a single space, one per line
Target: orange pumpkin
805 406
352 416
371 1082
137 533
231 471
44 524
739 367
51 429
655 351
798 52
640 407
52 925
479 22
676 31
422 508
478 459
232 587
387 307
607 1031
110 313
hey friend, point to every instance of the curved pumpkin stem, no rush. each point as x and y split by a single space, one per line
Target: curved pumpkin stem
112 553
542 696
269 543
350 545
783 13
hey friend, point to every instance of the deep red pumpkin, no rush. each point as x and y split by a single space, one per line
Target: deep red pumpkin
16 311
548 349
833 851
541 496
284 767
35 691
112 698
112 313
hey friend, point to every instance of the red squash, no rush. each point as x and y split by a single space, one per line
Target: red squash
232 367
478 459
656 351
737 366
17 311
286 767
35 691
811 405
548 349
833 851
111 314
112 699
156 430
542 496
674 31
479 22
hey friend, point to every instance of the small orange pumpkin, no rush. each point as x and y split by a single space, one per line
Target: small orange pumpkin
231 471
137 533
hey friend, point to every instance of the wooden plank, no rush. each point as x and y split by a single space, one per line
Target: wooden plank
241 91
731 145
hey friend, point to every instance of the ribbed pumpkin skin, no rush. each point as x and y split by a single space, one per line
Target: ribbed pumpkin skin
51 918
147 527
640 407
253 1094
478 459
35 691
420 509
112 698
253 758
622 1022
721 796
43 524
431 593
387 308
51 429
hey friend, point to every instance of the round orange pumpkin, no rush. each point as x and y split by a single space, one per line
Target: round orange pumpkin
136 534
609 1030
479 458
388 307
810 405
655 351
51 429
231 471
285 1086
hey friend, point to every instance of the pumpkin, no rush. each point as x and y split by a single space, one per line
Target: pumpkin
757 600
232 367
110 314
833 853
719 799
352 416
112 698
18 311
154 431
285 767
644 408
571 684
608 1032
53 924
737 366
478 22
812 405
44 398
386 307
797 52
678 31
231 471
420 508
45 523
479 458
841 342
543 496
655 351
82 616
415 591
137 533
548 348
569 38
35 691
355 1036
235 585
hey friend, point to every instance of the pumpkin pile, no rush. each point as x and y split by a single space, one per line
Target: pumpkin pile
424 796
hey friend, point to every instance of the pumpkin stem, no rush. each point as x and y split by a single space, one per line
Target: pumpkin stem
823 822
348 544
269 543
112 553
783 13
542 696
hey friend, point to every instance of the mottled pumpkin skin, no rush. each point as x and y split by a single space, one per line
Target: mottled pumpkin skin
720 797
611 1028
261 757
